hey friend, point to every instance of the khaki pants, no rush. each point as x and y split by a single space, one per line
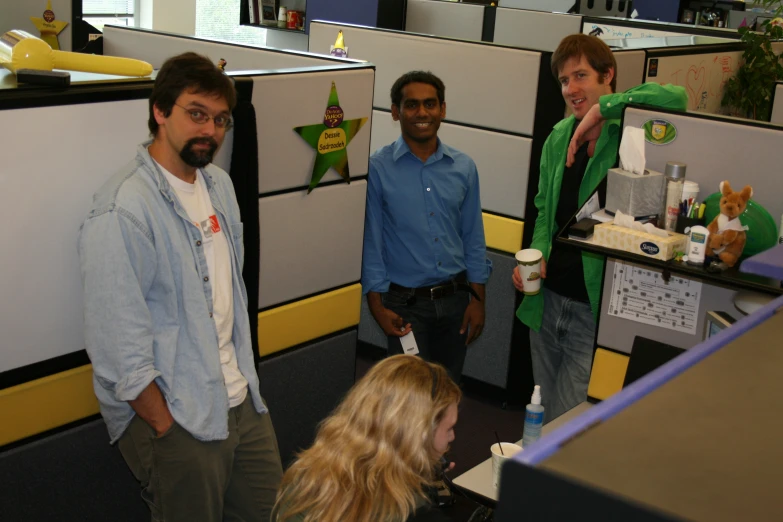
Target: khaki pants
185 479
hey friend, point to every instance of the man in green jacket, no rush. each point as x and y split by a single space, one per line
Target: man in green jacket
574 162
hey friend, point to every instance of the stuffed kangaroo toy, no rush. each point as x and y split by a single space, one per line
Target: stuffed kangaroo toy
727 235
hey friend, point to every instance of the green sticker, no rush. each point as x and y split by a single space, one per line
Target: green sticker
659 132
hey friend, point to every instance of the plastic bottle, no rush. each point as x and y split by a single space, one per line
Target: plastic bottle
674 179
534 418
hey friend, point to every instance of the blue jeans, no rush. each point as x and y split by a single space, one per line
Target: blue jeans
435 326
562 353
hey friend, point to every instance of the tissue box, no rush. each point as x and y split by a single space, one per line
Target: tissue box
633 194
637 242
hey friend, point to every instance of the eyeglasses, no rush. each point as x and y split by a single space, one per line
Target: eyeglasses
201 117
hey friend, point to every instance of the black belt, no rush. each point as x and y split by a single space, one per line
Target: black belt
444 289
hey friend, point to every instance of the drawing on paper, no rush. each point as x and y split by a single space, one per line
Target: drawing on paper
640 294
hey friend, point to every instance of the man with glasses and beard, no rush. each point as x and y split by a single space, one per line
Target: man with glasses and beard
164 306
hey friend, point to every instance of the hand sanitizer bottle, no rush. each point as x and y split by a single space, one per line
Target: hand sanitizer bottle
534 418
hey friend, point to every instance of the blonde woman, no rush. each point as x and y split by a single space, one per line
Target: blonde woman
374 458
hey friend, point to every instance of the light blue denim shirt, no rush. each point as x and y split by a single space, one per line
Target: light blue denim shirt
148 300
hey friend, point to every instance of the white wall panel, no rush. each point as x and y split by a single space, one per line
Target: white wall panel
49 175
310 242
502 160
504 80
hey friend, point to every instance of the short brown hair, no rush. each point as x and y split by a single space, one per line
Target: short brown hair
597 53
189 72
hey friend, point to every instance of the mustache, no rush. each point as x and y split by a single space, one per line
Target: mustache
202 141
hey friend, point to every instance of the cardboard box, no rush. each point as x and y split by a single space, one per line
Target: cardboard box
636 242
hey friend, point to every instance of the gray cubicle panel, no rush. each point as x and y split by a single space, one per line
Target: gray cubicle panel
498 159
707 165
617 333
776 115
718 148
302 252
470 70
630 68
156 47
443 18
549 6
533 29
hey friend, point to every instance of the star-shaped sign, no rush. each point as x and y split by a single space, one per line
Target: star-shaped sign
330 139
49 27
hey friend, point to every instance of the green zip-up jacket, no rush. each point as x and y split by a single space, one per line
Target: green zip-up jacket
553 159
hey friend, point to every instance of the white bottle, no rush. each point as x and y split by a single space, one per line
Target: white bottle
534 418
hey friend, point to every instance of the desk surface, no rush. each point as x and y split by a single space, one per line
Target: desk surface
479 479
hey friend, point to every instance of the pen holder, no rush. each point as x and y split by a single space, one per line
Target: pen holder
686 222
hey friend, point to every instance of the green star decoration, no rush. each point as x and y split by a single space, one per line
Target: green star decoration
330 139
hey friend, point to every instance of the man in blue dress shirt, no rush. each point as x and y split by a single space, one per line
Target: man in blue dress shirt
425 261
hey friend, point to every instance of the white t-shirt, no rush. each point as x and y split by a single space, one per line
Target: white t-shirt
195 200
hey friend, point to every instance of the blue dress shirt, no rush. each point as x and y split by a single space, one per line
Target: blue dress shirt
423 222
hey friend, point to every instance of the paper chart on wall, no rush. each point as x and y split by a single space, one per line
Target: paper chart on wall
640 294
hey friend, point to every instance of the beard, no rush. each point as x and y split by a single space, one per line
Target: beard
201 157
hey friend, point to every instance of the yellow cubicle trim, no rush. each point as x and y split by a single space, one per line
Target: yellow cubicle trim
607 375
503 233
302 321
46 403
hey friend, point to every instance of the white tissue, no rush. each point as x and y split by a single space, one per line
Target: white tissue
632 150
623 220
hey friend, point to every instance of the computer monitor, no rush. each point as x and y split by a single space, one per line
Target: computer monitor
715 321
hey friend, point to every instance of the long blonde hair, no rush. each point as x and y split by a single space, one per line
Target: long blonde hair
373 455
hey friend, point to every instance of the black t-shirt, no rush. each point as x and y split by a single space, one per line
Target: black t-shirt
564 270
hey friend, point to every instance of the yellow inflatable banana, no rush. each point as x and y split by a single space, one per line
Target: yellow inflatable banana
21 50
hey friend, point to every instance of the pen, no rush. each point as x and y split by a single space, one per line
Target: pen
702 208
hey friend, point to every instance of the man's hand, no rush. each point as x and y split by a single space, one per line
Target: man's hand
589 130
151 406
391 323
474 315
516 277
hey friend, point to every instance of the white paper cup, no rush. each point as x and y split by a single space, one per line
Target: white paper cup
498 459
690 189
529 261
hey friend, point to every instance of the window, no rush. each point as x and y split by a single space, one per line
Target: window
220 19
114 12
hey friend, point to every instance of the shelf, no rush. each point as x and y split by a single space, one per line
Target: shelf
731 277
276 28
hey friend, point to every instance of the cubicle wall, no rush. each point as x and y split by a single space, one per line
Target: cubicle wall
611 27
695 58
776 116
449 19
501 105
302 271
550 6
714 148
533 29
155 47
